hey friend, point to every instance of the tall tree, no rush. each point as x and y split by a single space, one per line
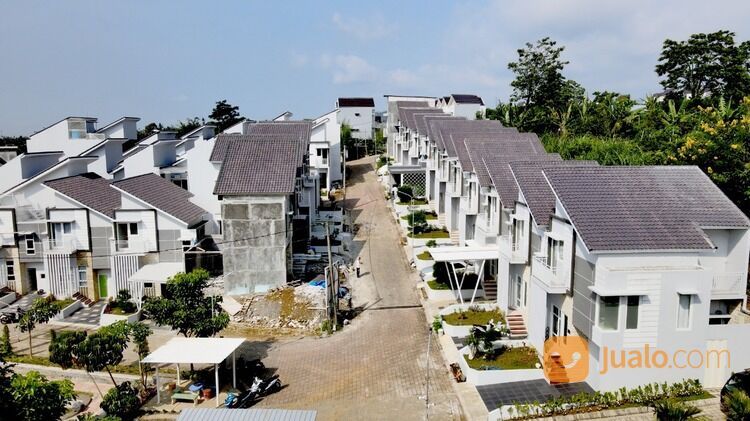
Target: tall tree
225 115
186 308
706 64
539 80
36 398
41 311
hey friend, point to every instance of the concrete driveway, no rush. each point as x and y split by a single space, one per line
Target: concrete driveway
376 368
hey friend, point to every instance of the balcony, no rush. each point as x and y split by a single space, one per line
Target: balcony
729 285
551 277
7 239
65 245
513 250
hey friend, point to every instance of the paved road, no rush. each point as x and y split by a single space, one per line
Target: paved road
376 368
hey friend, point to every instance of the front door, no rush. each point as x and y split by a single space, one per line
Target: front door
103 286
32 279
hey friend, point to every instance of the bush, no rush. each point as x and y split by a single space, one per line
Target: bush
736 405
673 410
6 348
123 303
122 401
431 243
405 193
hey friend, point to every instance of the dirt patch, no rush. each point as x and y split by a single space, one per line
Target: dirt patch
285 311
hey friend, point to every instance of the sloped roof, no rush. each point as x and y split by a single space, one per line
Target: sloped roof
538 194
259 165
643 207
498 168
442 129
163 195
356 102
394 114
90 190
406 115
421 120
467 99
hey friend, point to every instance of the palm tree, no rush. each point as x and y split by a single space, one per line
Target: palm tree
736 405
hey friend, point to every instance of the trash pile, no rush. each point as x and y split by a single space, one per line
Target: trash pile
300 308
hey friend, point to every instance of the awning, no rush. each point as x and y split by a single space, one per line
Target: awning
615 292
456 254
194 351
157 272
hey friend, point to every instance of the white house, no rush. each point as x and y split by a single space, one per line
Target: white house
358 113
325 149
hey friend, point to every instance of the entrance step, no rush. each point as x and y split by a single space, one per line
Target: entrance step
517 325
455 236
490 289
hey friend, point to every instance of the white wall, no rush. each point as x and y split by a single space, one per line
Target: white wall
202 175
361 124
56 138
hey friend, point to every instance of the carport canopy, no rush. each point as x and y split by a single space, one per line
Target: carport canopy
158 273
454 254
195 351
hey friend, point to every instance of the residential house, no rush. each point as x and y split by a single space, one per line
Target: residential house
358 113
325 150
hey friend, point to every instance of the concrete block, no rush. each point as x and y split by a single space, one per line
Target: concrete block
234 211
267 211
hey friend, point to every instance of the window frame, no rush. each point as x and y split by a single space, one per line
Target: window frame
83 282
10 270
688 321
628 313
600 305
30 250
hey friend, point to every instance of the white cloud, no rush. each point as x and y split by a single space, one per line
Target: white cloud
348 68
375 27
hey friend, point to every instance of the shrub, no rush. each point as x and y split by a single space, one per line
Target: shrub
737 405
122 401
6 348
123 302
673 410
405 193
431 243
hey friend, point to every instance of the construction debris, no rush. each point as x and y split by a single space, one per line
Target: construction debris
301 308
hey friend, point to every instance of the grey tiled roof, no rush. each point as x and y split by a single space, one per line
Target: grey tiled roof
406 115
259 165
163 195
539 196
423 121
90 190
394 113
467 99
643 208
222 142
502 178
441 129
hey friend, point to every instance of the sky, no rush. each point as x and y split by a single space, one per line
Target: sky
166 61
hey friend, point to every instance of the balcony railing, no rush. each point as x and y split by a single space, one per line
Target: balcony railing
66 245
513 250
731 283
132 245
549 275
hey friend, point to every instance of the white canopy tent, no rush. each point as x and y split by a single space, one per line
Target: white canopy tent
154 273
195 351
454 254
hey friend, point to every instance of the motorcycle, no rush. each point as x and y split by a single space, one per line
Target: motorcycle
237 400
261 388
12 316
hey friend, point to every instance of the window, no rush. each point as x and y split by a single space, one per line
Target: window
609 307
133 228
186 245
517 233
82 276
555 321
683 311
631 319
76 129
30 246
59 229
10 270
356 114
554 253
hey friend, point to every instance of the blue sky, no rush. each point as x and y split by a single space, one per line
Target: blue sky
167 60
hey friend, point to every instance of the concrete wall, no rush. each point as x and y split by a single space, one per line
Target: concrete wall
361 124
255 248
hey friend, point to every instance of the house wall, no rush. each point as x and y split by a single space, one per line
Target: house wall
255 243
55 138
361 124
202 176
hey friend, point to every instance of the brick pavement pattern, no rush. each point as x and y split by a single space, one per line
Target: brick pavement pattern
376 368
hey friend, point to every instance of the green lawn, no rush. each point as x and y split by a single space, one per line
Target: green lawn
425 255
64 303
509 359
431 234
472 317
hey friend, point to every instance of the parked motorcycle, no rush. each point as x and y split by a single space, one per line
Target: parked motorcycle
12 316
261 388
237 400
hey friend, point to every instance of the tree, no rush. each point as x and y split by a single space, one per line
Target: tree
139 333
7 406
122 401
103 349
36 398
186 308
225 115
539 80
706 64
674 410
41 311
405 193
6 348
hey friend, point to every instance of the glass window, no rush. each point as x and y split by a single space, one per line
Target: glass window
30 247
631 321
133 228
609 307
555 321
683 311
554 253
67 227
82 276
10 270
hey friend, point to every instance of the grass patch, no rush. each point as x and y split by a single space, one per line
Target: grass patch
64 303
45 362
438 286
431 234
506 359
425 255
415 202
430 216
474 317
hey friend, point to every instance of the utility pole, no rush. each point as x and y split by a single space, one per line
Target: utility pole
334 297
427 391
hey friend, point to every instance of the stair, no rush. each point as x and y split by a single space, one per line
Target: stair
490 290
84 299
516 325
455 236
441 220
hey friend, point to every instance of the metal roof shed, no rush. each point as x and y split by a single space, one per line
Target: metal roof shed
195 351
251 414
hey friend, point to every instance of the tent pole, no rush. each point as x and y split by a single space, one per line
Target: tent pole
216 370
450 279
178 375
476 285
158 389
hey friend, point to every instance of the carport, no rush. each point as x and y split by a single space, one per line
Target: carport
195 351
476 256
154 273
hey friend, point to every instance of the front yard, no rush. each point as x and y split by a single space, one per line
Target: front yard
474 316
506 358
